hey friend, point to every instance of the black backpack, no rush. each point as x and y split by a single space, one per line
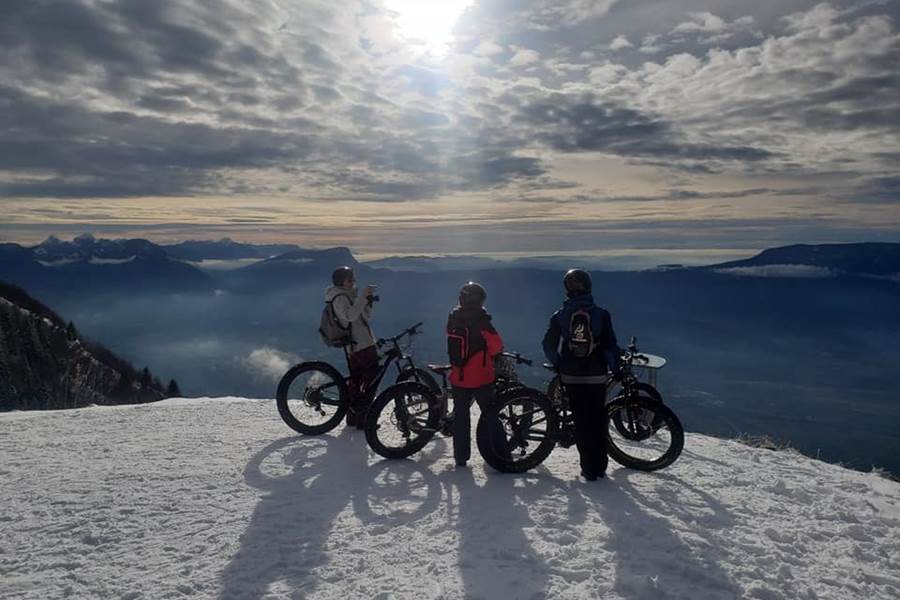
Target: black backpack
330 329
581 336
463 343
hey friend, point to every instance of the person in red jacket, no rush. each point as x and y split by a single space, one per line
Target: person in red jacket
472 343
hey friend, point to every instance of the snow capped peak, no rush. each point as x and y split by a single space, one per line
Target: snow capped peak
85 239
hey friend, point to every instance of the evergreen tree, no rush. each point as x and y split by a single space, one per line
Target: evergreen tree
71 332
146 378
173 391
123 387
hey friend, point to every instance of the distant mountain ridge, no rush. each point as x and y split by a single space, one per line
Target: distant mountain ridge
225 249
91 265
292 268
867 258
88 265
86 247
44 364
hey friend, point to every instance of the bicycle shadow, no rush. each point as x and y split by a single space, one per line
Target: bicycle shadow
652 559
308 482
399 492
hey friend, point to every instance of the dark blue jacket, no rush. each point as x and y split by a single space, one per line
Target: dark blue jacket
594 367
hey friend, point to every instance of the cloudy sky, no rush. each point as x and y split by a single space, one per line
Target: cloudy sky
679 128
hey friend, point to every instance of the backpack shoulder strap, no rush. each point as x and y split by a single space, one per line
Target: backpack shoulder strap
336 296
330 304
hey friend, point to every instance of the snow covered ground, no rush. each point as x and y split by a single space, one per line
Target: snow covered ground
218 499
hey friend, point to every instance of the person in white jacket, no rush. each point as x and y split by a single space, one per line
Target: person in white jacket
354 312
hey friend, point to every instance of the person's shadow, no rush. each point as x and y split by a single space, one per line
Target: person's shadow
500 562
308 482
652 560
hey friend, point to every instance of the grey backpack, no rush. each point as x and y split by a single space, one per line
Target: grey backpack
330 329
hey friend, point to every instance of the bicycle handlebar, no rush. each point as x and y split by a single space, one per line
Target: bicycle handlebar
411 331
631 358
521 360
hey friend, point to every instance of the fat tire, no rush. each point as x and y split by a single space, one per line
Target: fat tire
281 399
541 451
422 376
643 389
416 443
671 421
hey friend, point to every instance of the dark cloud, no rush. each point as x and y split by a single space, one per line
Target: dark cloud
166 104
122 154
585 124
672 195
139 97
880 190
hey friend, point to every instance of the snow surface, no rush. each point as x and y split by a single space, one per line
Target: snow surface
216 498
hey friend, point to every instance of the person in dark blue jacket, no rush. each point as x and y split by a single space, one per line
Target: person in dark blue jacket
586 360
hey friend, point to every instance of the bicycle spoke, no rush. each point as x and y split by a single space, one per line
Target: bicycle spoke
643 443
313 397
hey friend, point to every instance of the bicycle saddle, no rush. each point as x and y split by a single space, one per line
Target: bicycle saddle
441 369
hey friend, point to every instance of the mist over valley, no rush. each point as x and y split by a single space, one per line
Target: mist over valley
804 353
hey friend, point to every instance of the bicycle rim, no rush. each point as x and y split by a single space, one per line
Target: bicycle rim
311 398
519 433
643 434
401 420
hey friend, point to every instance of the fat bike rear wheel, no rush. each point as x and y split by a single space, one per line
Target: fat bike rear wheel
312 398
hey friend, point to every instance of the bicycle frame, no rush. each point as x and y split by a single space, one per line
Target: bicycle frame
393 355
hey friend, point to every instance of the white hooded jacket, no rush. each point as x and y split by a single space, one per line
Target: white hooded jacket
354 312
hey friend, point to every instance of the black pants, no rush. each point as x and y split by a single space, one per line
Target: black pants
363 367
588 404
462 421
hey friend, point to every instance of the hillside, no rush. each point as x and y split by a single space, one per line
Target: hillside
871 259
44 363
218 499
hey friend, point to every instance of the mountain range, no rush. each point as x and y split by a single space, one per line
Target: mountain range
90 265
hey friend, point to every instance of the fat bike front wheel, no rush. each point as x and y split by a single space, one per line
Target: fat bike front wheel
402 419
653 437
519 432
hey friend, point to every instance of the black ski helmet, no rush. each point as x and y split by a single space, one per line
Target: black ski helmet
340 275
577 282
471 295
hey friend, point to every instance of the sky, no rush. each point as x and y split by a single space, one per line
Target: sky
677 128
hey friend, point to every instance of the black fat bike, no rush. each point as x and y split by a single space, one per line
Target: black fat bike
314 396
406 416
643 432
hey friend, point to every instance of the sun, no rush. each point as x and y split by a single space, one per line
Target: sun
427 24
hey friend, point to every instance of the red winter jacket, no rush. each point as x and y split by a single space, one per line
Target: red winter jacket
479 369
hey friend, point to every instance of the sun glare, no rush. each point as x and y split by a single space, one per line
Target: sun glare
427 25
